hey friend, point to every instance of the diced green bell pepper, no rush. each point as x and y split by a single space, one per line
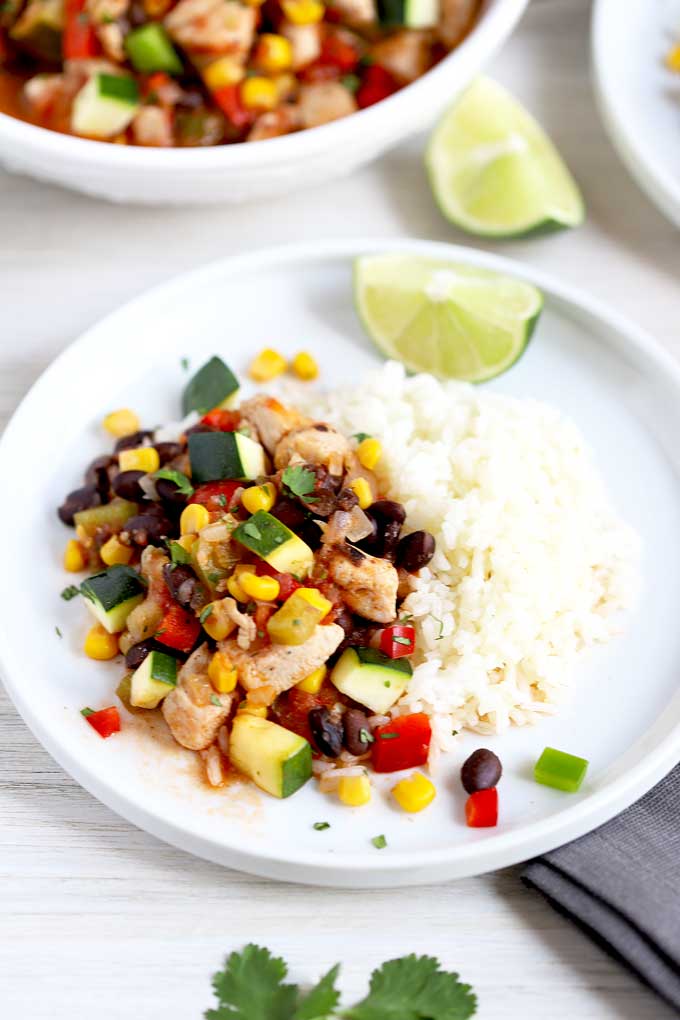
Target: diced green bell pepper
560 770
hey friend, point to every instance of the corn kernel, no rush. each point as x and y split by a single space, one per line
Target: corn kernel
187 542
194 518
215 623
369 453
415 793
303 12
305 366
114 551
273 53
99 644
362 489
267 365
264 588
250 709
259 497
121 423
142 458
316 599
222 72
235 589
313 683
354 790
74 557
222 674
259 93
673 59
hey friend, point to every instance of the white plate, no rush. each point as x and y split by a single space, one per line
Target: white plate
639 97
621 389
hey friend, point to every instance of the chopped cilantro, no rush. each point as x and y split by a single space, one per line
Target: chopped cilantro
379 842
222 499
58 632
401 640
388 736
300 481
351 82
366 737
86 711
214 576
214 700
178 553
436 619
387 683
181 481
320 826
70 593
360 436
205 613
260 634
185 363
251 529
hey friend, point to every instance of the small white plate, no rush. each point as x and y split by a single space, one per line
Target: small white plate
639 97
624 716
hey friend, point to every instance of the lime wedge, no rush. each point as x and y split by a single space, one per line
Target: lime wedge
494 171
455 321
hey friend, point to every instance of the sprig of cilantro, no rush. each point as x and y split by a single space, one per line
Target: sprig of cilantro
178 554
179 478
300 482
252 987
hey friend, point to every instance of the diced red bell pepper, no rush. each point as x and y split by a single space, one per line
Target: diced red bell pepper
377 84
79 39
338 52
403 743
398 641
179 629
225 421
481 809
287 583
228 98
216 496
106 721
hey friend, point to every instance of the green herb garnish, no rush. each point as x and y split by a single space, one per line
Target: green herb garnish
360 436
320 826
366 737
86 711
300 482
205 613
351 82
379 842
401 640
222 499
58 632
181 481
251 529
178 553
214 700
185 363
70 593
388 736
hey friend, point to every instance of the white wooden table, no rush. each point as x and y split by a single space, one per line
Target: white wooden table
98 919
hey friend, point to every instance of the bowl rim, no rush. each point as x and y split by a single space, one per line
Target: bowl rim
494 25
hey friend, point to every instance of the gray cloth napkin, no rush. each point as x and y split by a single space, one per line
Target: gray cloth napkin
621 885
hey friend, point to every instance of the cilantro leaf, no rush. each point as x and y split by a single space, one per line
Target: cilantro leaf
360 436
70 593
322 1000
379 842
181 481
300 481
178 553
205 613
214 700
251 988
251 529
414 988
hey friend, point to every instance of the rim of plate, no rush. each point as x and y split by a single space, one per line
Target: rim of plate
497 851
656 180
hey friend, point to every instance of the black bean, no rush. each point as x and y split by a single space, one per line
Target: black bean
347 500
184 586
168 451
481 771
388 510
191 99
357 731
172 499
80 499
126 485
326 731
357 631
149 528
415 551
101 473
294 517
134 440
136 655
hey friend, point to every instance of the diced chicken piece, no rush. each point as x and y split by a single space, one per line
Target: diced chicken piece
152 126
44 91
275 123
318 444
355 13
368 584
407 55
324 102
305 41
192 710
213 26
455 20
277 668
145 619
271 419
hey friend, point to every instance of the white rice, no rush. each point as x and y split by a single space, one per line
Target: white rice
532 563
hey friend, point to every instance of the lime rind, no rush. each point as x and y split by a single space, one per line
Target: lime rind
452 320
495 173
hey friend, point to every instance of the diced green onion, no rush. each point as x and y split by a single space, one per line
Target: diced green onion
560 770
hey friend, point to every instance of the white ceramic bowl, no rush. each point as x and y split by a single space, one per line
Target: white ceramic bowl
236 173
